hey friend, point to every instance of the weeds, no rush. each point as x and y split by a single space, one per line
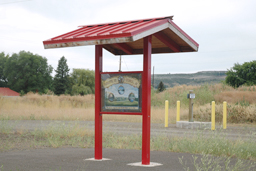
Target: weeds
5 128
66 135
207 162
61 134
241 105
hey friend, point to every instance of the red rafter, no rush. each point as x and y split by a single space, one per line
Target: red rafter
167 41
124 47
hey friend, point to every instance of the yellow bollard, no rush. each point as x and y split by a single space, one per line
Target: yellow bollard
166 112
224 115
178 111
213 115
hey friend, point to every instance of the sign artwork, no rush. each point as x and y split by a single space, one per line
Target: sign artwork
121 92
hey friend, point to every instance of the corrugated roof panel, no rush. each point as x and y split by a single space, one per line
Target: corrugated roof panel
171 39
107 29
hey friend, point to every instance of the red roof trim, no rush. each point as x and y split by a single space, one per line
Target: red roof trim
87 38
185 34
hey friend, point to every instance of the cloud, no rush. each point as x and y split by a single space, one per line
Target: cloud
224 29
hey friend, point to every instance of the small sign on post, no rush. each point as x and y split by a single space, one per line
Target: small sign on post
191 96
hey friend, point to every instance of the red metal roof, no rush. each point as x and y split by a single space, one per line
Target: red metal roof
8 92
121 38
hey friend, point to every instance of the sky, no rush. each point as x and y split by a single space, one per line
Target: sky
224 29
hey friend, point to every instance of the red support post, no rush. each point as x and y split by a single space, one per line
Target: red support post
146 100
98 116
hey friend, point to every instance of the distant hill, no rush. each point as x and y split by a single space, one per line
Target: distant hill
171 80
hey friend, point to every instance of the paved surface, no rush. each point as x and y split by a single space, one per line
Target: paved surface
73 158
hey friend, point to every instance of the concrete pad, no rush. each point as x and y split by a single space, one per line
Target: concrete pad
93 159
152 164
193 125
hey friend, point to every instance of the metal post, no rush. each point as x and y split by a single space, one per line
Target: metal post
153 77
224 115
166 113
98 117
120 61
190 115
213 115
146 100
178 111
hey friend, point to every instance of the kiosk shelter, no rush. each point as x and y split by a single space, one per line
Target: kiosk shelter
146 36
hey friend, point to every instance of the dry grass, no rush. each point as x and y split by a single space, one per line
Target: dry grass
34 106
241 105
236 97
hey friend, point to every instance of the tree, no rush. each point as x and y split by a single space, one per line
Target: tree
161 87
83 81
242 74
3 79
61 79
28 72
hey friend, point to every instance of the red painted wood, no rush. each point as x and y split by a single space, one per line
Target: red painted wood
121 113
86 38
98 116
146 100
167 41
124 47
125 72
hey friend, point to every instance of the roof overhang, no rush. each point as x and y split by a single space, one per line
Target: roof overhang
126 38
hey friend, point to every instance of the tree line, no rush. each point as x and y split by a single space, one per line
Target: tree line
24 72
242 74
27 72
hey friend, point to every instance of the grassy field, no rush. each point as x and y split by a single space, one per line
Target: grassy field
241 105
215 149
199 78
241 110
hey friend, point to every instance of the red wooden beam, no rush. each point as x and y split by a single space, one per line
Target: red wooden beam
121 113
124 47
146 100
167 41
98 116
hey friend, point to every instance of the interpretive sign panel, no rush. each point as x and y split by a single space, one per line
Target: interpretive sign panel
121 92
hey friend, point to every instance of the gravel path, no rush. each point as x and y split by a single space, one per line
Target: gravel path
126 128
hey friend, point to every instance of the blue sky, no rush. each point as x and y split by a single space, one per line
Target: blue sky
224 29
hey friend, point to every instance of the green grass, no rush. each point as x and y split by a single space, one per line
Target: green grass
215 151
76 136
206 162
